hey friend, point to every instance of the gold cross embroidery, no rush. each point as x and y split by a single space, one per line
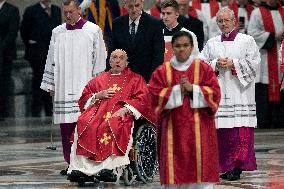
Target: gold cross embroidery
105 139
107 116
115 87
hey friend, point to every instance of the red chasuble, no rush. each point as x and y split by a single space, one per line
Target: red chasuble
187 137
154 11
192 12
214 6
272 58
99 135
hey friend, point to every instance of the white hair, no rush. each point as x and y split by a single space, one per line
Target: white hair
119 50
225 9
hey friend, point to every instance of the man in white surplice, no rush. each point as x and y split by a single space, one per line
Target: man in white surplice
235 58
76 53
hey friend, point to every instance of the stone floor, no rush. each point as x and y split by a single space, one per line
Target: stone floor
26 163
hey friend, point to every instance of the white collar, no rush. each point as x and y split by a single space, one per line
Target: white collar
136 21
76 22
228 34
1 4
116 73
181 66
170 29
43 5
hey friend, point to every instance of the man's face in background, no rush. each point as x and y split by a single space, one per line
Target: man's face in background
134 8
71 13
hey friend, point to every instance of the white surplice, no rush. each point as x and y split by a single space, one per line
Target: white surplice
237 106
213 28
74 57
206 14
205 9
256 29
201 16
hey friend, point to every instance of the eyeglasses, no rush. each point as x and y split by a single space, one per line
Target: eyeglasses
226 21
114 57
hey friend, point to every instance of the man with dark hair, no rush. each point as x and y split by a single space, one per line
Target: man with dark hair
170 14
37 25
140 35
186 95
9 26
76 53
67 2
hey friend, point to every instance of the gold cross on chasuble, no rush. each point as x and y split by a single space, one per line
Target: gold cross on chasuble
115 88
166 50
107 116
105 139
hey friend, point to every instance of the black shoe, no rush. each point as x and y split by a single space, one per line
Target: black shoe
234 177
64 171
235 174
225 175
106 176
238 171
78 176
2 117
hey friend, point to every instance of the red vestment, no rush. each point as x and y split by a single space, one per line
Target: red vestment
214 6
272 55
99 135
192 12
156 12
187 138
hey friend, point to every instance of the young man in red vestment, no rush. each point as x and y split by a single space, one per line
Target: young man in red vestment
109 104
186 94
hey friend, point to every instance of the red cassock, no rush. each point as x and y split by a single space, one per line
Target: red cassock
187 137
99 135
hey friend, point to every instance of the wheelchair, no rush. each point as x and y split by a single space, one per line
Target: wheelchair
144 163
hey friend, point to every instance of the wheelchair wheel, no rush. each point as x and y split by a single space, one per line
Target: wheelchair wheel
128 176
145 153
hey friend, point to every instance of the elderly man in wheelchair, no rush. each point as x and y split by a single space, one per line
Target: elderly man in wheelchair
105 139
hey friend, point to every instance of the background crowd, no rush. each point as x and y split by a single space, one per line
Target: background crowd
240 39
